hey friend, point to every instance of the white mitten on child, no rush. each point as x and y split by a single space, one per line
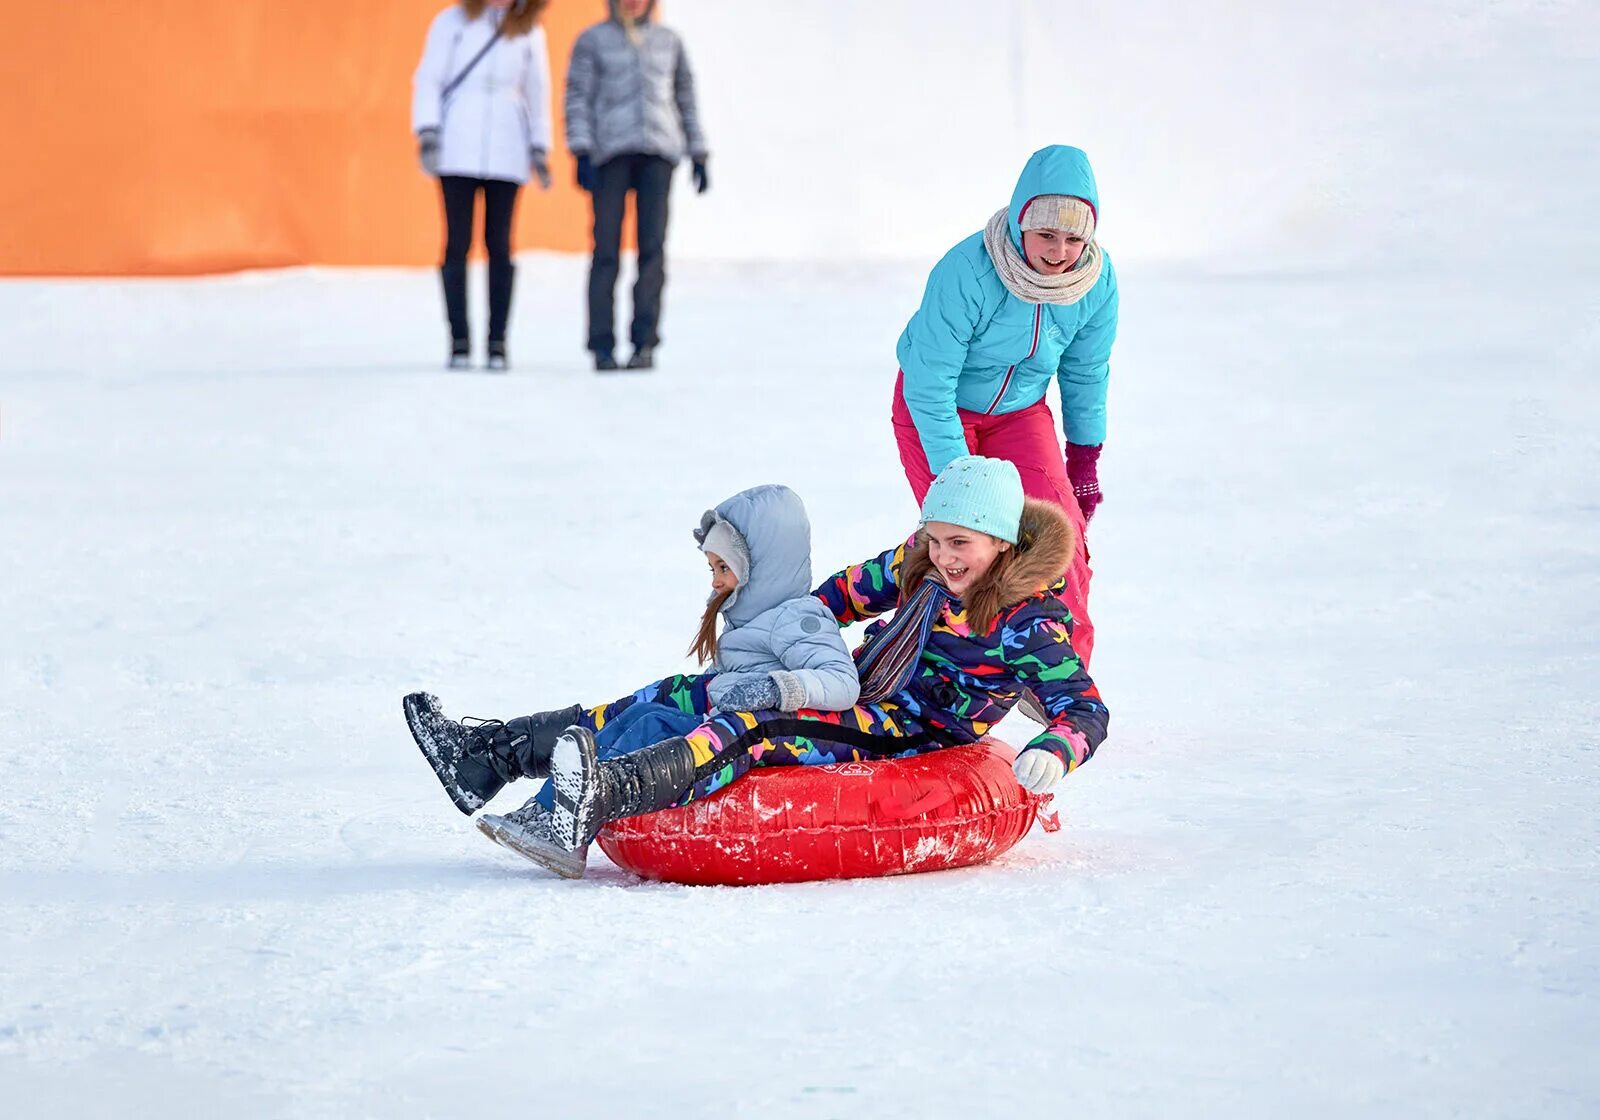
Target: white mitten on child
1038 769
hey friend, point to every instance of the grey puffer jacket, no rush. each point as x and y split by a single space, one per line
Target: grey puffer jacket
631 94
774 626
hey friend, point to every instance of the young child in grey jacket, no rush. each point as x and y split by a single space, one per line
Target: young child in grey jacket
780 649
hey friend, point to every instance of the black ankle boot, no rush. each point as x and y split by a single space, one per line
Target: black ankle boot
497 360
475 760
526 742
588 794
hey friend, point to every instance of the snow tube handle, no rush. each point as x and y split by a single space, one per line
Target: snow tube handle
898 810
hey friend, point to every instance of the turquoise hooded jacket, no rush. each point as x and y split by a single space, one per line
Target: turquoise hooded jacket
975 346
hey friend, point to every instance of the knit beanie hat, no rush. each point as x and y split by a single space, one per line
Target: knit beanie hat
977 493
1059 211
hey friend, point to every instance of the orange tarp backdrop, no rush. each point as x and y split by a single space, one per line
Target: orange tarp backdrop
153 136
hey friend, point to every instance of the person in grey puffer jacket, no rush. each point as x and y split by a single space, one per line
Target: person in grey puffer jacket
780 650
780 647
631 116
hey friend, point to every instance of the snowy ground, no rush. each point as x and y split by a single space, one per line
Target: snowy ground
1339 857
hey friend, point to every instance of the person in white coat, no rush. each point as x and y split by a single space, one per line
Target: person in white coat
480 108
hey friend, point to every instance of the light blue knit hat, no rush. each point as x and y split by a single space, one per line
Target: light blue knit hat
977 493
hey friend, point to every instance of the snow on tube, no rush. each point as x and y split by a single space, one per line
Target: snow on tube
790 824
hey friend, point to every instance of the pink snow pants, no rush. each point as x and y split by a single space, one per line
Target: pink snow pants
1030 440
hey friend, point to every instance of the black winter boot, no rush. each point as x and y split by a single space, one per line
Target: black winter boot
453 278
502 279
474 761
589 793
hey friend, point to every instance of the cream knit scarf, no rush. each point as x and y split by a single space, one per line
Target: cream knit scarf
1034 287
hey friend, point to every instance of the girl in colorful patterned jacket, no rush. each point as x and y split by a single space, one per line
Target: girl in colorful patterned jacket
977 618
1030 299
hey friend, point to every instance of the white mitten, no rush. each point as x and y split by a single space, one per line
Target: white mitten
1038 769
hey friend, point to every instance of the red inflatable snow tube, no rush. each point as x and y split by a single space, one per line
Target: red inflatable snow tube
790 824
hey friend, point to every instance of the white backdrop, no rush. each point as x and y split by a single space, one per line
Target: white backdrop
890 129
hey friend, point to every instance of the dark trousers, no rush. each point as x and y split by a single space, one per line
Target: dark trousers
499 207
649 178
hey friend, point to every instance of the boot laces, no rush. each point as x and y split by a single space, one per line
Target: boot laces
532 815
486 731
501 746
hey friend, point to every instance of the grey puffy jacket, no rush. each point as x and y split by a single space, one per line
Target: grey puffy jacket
774 626
627 96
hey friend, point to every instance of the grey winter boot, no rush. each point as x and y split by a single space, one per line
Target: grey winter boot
588 794
474 761
513 829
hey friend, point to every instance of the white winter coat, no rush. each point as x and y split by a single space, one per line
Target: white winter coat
490 121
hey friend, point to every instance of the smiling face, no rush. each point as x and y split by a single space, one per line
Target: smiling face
962 556
1051 252
633 9
723 580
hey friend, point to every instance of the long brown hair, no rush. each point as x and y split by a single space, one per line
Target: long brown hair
982 599
704 646
520 17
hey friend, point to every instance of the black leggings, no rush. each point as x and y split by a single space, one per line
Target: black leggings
499 208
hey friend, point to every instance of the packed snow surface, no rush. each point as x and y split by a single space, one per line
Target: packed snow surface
1339 857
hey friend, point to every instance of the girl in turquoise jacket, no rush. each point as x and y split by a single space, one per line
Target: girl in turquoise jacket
1031 298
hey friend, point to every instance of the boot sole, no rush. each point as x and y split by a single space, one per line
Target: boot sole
568 865
465 800
575 773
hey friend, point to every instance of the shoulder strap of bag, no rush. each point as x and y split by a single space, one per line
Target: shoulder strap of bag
456 81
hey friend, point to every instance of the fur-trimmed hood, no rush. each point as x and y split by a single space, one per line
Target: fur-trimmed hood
1045 544
1036 565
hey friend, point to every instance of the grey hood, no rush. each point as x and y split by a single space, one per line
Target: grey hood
771 523
616 12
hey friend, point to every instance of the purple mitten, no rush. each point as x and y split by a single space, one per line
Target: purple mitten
1084 472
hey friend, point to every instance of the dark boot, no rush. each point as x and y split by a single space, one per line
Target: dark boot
511 830
497 361
474 761
502 279
589 793
460 354
643 358
453 276
604 361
